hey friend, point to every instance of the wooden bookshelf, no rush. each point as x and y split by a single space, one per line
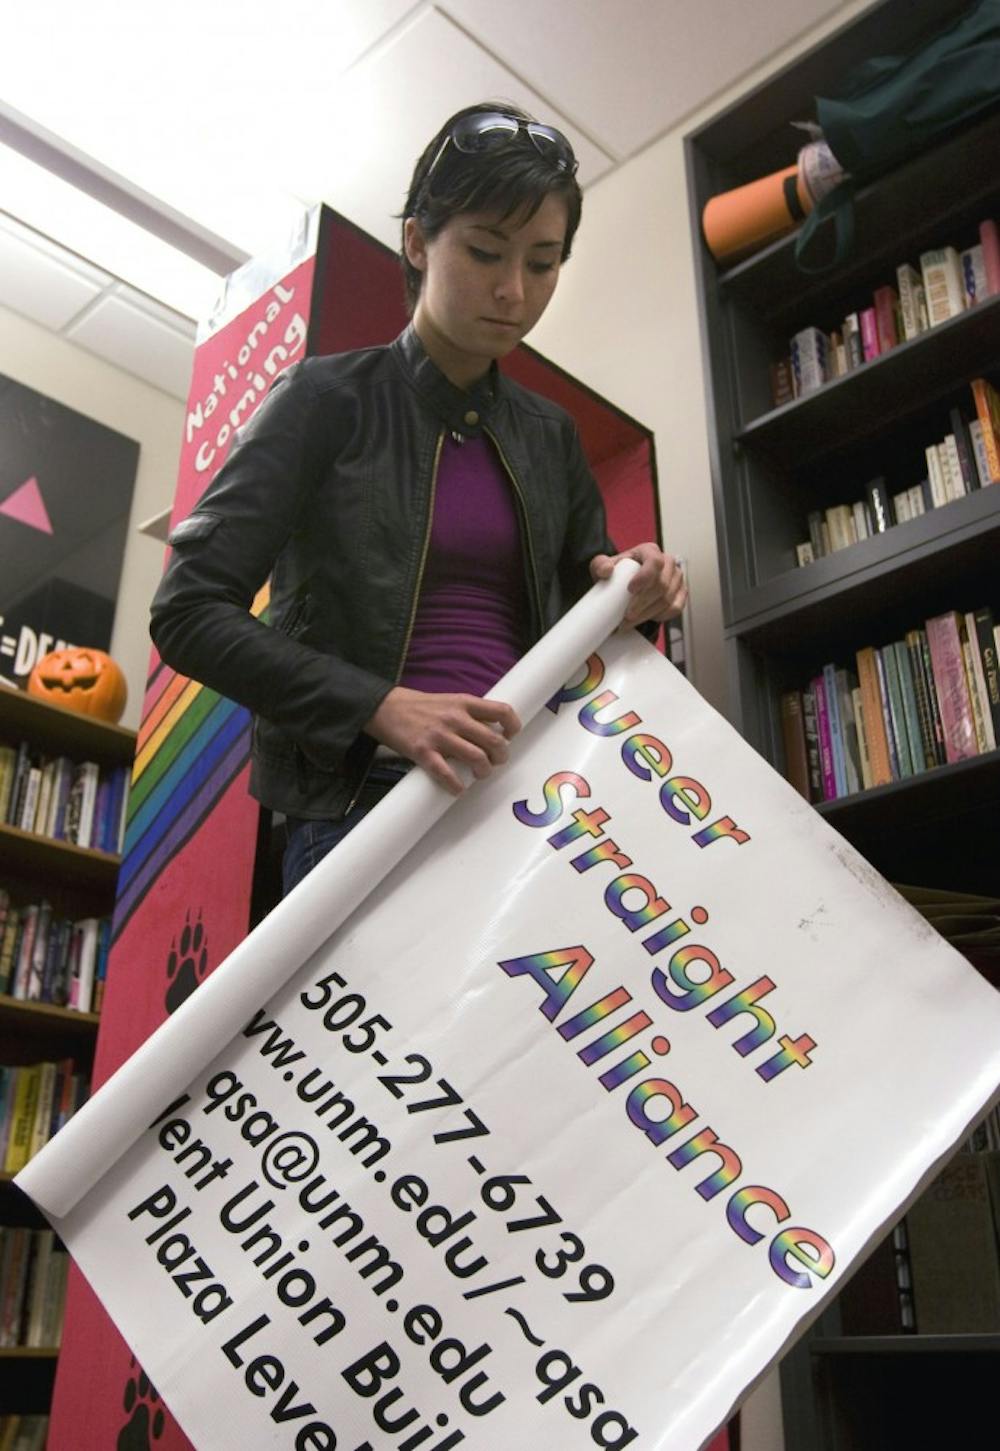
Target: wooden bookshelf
770 467
79 882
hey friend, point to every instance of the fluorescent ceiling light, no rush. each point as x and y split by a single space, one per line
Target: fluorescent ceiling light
102 236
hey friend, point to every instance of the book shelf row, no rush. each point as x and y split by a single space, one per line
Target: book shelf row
927 700
23 1433
36 1099
80 802
965 460
33 1270
49 958
948 283
938 1272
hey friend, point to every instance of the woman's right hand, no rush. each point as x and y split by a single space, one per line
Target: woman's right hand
434 730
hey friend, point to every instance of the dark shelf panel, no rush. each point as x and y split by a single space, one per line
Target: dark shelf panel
62 731
30 854
907 560
948 188
905 1345
944 790
883 392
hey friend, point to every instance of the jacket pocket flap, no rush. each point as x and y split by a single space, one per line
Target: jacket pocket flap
196 526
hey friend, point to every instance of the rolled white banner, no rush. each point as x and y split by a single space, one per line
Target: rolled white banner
59 1176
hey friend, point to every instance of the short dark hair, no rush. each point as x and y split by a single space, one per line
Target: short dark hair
513 180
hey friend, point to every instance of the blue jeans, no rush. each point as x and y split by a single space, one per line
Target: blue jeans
310 841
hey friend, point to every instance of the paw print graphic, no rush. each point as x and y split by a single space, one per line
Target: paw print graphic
187 963
145 1416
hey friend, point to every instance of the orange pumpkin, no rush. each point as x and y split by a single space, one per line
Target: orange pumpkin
88 681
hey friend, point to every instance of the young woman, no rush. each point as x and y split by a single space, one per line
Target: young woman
422 518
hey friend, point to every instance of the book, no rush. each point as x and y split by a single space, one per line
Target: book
911 714
973 275
794 737
979 453
23 1118
827 768
911 289
886 302
990 244
988 417
904 761
831 694
984 627
890 730
963 450
932 700
851 333
845 683
920 689
874 722
42 1126
782 382
953 466
935 476
811 730
869 335
28 800
953 1249
978 718
90 774
878 505
985 727
944 289
867 780
810 359
944 639
8 759
840 525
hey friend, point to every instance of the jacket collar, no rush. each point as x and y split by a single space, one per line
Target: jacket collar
462 410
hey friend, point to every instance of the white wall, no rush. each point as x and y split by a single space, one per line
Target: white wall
48 363
625 321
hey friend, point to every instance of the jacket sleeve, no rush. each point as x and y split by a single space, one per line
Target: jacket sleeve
587 533
586 530
222 555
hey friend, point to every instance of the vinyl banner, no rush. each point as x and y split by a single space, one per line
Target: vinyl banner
562 1136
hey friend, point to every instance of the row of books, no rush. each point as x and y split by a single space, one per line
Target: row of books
75 801
947 283
967 459
36 1099
911 705
23 1433
938 1272
48 958
33 1269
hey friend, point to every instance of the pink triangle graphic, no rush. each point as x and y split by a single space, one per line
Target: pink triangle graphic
27 506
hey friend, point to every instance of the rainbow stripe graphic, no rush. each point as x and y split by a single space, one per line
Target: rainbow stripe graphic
191 744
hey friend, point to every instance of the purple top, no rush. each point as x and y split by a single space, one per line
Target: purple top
470 622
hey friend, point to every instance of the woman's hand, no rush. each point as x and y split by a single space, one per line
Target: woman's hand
433 730
657 588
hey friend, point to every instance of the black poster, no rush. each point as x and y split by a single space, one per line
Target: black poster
66 487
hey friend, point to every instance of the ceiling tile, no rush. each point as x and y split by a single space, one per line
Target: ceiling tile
374 123
133 333
628 70
41 280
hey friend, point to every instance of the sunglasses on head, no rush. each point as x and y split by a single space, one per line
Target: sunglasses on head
493 130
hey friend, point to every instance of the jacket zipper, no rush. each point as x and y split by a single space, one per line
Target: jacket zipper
523 509
416 597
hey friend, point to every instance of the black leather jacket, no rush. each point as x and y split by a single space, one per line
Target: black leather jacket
330 492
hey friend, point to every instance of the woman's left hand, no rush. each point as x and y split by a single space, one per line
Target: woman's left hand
657 588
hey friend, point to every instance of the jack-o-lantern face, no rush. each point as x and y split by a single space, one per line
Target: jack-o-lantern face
88 681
